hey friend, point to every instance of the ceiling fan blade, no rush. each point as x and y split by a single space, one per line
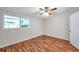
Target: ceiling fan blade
41 9
54 9
41 13
49 13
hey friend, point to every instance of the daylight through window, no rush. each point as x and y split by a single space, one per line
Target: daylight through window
15 22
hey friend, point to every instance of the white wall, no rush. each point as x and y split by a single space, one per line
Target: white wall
11 36
58 26
74 27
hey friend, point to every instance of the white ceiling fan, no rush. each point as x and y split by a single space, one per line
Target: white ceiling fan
46 10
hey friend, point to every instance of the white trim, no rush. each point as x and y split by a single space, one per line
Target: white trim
18 41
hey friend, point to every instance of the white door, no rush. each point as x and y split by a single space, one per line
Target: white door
74 29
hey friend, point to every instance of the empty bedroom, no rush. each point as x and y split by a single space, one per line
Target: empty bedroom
39 29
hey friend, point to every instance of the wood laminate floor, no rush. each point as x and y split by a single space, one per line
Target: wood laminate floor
41 44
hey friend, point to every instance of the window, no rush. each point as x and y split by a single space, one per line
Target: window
15 22
11 22
24 23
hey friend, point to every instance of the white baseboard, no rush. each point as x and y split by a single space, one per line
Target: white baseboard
31 38
18 41
57 37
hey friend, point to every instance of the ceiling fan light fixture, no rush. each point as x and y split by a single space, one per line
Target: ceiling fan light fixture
46 11
45 14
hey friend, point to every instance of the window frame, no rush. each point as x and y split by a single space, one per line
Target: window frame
19 22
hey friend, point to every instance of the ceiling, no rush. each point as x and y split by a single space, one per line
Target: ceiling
32 10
